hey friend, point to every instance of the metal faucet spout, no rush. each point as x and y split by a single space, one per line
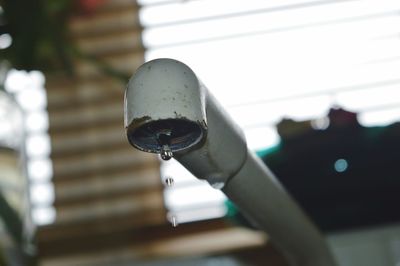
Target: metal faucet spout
170 112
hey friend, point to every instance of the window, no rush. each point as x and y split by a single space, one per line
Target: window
268 60
29 92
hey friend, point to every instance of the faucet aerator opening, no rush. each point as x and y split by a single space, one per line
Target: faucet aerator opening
165 135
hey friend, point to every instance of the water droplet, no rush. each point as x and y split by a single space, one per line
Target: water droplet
166 153
174 221
217 181
169 181
218 185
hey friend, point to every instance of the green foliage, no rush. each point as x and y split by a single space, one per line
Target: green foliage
39 32
37 28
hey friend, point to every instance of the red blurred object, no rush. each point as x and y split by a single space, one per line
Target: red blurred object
340 118
89 6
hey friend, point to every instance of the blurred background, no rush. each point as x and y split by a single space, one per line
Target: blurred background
314 84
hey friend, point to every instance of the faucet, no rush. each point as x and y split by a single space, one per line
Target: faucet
169 111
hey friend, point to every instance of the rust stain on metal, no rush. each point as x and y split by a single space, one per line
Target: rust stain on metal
203 124
141 120
138 122
181 117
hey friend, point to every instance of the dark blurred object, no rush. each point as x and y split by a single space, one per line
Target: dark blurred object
344 176
38 32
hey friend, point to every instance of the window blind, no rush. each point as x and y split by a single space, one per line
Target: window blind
268 60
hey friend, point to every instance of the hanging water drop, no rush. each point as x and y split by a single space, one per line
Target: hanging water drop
174 221
164 141
166 153
169 181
